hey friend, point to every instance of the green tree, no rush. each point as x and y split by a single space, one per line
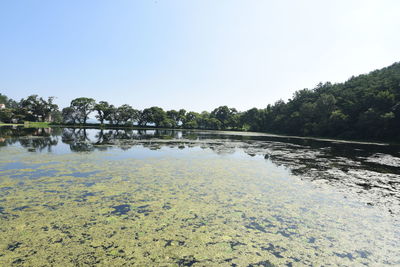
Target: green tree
155 115
3 99
102 108
227 116
181 116
174 118
69 115
83 106
191 120
56 116
6 115
111 114
127 115
38 109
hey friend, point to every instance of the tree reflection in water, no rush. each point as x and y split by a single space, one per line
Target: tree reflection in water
352 166
33 139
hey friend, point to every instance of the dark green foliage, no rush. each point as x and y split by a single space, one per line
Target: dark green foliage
32 108
69 115
364 107
82 106
6 115
154 115
3 99
228 117
126 115
103 110
36 108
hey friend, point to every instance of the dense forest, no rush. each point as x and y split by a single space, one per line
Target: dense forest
364 107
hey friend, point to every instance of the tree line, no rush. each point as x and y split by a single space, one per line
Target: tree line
125 115
363 107
35 108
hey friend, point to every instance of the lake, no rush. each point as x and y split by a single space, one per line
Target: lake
76 197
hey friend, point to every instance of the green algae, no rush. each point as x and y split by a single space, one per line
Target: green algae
198 210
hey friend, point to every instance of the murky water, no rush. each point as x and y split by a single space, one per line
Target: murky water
163 198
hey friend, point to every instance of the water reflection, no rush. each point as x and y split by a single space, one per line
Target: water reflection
370 171
34 140
116 197
84 140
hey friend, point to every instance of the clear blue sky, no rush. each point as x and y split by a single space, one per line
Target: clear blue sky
195 54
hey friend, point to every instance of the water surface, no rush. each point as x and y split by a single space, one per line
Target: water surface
187 198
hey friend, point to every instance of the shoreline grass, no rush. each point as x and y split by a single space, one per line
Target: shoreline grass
31 124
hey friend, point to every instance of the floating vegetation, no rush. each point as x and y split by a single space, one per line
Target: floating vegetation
121 209
200 209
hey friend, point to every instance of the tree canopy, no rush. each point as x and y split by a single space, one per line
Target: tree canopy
363 107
